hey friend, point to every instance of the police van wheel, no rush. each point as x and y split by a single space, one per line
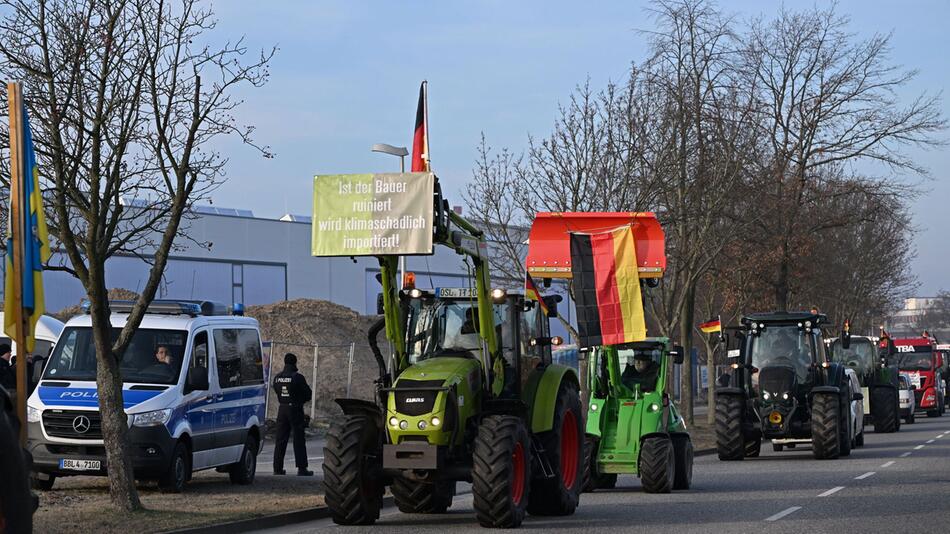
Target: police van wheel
39 481
173 481
244 470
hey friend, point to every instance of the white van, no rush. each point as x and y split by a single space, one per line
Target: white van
203 408
46 332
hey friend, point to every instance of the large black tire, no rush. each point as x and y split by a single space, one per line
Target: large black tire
683 458
825 419
16 507
752 448
412 497
844 425
501 471
886 409
657 464
179 471
730 443
592 479
564 447
243 472
351 471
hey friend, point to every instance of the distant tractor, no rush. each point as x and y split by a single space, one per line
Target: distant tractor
878 378
781 386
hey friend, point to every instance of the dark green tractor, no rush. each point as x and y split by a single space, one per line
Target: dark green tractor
632 426
878 378
781 386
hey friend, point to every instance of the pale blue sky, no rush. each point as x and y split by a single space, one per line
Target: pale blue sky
347 76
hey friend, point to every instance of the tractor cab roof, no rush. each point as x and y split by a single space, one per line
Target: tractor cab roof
817 319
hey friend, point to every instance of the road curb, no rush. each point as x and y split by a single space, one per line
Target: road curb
270 521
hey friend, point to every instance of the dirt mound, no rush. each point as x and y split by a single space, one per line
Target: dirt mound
307 327
116 293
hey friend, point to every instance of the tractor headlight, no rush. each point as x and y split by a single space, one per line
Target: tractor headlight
403 424
436 421
422 425
654 407
766 395
785 396
498 294
393 421
593 407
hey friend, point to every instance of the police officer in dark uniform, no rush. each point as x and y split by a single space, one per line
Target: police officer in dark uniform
292 393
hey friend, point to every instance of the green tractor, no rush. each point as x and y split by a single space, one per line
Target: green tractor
470 394
632 427
878 379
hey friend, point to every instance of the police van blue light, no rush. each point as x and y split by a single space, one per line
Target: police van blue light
193 388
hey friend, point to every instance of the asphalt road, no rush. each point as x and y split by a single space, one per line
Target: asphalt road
265 460
896 483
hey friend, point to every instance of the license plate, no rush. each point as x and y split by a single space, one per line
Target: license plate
456 293
80 465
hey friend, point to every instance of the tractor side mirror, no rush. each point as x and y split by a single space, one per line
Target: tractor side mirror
197 380
551 302
545 341
677 353
845 339
380 309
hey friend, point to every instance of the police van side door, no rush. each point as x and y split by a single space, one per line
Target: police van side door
199 407
229 430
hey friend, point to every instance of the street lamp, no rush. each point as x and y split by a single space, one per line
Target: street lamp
402 153
393 151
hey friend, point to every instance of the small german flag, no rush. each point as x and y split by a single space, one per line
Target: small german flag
710 326
607 288
531 292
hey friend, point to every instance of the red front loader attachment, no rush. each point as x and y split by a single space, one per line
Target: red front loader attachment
549 249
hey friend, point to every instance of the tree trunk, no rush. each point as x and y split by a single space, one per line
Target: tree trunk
782 283
115 428
686 340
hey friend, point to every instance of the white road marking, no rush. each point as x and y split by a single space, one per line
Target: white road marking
917 448
888 464
929 441
905 455
831 491
866 475
783 513
939 436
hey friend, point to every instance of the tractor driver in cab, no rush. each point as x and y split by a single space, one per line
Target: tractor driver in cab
643 372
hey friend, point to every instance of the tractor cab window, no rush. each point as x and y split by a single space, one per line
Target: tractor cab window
450 328
784 346
640 366
859 356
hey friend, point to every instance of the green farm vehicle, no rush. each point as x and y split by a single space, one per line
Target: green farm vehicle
470 394
632 427
878 378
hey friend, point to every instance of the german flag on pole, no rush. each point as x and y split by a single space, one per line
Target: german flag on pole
531 292
710 326
420 137
607 288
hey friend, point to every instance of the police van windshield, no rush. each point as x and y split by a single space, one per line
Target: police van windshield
782 346
153 356
450 328
858 356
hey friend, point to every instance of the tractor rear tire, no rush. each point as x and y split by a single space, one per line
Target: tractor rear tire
412 497
886 411
752 448
351 471
730 443
501 471
844 426
564 447
657 464
825 420
592 479
683 452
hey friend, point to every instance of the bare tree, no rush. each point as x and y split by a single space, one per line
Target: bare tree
125 101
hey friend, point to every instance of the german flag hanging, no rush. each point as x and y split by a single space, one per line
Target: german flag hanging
531 292
607 288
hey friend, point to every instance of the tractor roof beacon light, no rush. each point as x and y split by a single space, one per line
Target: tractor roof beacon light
409 280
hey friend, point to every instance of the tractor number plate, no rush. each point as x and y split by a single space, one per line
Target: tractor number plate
456 293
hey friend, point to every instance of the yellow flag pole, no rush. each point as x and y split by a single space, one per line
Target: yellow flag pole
15 99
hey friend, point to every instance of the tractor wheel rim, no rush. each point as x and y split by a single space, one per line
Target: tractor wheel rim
517 481
569 450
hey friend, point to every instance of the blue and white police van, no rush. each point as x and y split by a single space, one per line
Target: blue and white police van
194 389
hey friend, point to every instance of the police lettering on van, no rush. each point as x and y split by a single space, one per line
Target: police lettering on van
193 388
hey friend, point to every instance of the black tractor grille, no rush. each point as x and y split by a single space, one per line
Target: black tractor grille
777 380
411 401
70 423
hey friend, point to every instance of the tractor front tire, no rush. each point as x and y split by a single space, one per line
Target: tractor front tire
657 464
564 447
825 420
844 426
886 411
592 478
501 474
351 471
683 452
730 443
412 497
